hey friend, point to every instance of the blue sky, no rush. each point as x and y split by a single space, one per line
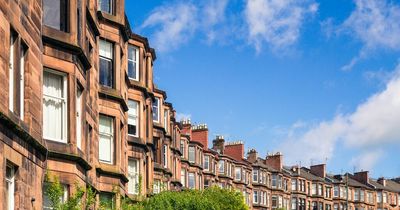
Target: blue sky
318 80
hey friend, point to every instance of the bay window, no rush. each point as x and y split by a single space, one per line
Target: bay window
133 121
106 63
54 106
133 176
106 142
55 14
133 59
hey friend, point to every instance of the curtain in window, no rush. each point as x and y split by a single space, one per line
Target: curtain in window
53 107
106 138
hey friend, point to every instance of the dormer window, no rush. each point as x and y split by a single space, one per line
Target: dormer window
133 58
106 6
55 14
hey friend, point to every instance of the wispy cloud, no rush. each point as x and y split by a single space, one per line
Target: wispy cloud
376 24
367 160
176 23
373 124
276 22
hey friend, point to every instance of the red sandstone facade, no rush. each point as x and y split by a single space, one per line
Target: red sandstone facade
78 101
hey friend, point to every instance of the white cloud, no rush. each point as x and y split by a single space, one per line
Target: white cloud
174 25
374 123
376 23
276 22
367 160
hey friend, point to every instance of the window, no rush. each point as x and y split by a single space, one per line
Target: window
133 118
10 186
106 6
320 189
47 205
314 189
255 175
183 177
107 200
294 184
79 117
54 106
182 148
192 181
255 197
274 201
356 195
294 203
274 184
133 176
384 197
106 142
207 163
55 14
192 157
165 156
379 197
362 195
238 173
166 121
336 191
133 58
156 110
221 167
16 74
158 186
206 183
106 63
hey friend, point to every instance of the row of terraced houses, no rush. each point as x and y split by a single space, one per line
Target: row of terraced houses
77 100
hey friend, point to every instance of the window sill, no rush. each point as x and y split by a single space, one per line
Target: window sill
113 94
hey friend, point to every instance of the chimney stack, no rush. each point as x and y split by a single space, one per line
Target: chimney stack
382 181
319 170
252 155
219 144
186 127
200 134
275 161
235 150
362 177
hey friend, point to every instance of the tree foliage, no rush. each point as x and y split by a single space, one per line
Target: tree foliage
213 198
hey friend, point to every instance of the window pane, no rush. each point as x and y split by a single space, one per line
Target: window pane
133 176
106 72
54 105
106 6
156 110
132 117
106 49
106 139
54 14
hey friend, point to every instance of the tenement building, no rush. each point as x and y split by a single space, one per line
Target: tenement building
78 102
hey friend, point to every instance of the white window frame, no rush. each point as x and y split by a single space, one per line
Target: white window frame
64 100
10 183
255 196
238 173
11 72
111 12
221 167
255 175
111 137
166 114
136 61
157 103
22 58
192 150
206 162
183 177
134 116
79 117
133 176
165 155
108 58
194 180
